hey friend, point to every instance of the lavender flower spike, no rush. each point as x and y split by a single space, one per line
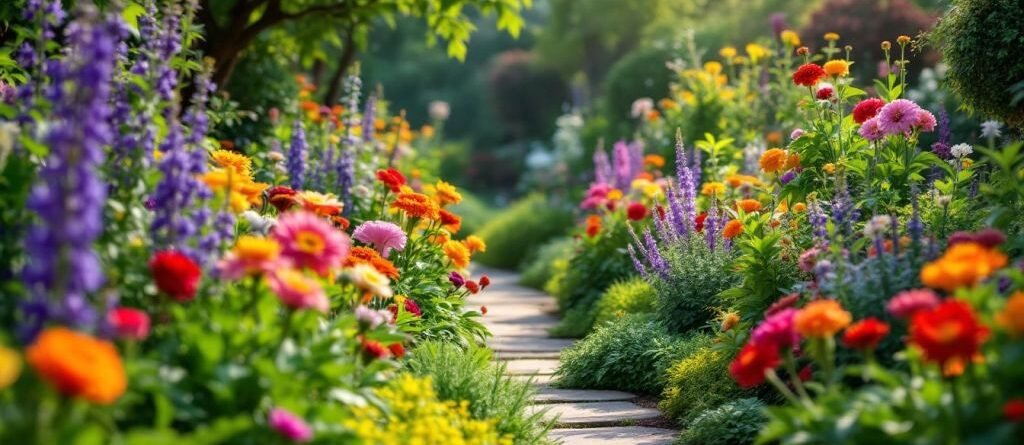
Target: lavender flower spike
297 157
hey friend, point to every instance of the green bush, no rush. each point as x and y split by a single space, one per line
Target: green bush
698 383
734 423
633 296
689 297
629 354
979 41
540 267
474 212
469 375
516 231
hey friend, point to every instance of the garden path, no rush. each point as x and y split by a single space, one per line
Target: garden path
519 318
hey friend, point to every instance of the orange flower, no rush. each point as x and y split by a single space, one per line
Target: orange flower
773 160
475 244
773 137
792 160
323 204
78 365
822 318
733 228
451 221
593 225
749 205
1012 315
799 207
447 194
366 255
457 253
963 264
837 68
417 205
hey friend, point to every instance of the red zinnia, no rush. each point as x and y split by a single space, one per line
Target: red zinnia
282 197
825 93
392 179
374 350
867 109
636 211
750 365
950 331
175 274
485 281
397 350
472 286
1013 410
699 221
593 225
808 74
129 323
865 334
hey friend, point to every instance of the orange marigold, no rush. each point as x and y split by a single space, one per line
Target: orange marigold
366 255
733 228
837 68
773 160
1012 315
457 253
417 205
749 205
822 318
475 244
792 160
963 264
447 194
78 365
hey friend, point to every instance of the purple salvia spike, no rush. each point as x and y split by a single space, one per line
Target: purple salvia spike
621 165
602 167
636 262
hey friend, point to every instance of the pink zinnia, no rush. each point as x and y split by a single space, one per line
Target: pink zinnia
906 303
778 329
298 291
309 241
898 117
871 130
289 425
382 235
925 120
596 196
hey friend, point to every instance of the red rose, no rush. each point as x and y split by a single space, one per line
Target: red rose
949 331
485 281
397 350
636 211
175 274
750 365
1013 410
472 286
867 109
392 179
374 350
808 74
129 323
865 334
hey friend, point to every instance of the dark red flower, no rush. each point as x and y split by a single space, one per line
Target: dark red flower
392 179
783 303
282 197
661 212
824 93
374 350
750 365
129 323
397 350
950 331
699 221
472 286
485 281
483 310
808 74
865 334
960 236
175 274
636 211
1013 410
805 374
340 222
989 237
413 308
867 109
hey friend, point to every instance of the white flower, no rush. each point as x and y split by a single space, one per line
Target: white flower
943 200
370 317
877 226
258 223
275 156
990 129
365 277
961 150
641 106
439 110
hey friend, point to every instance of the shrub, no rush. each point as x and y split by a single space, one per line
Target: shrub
468 374
734 423
976 39
575 323
689 297
519 229
633 296
698 383
539 269
627 354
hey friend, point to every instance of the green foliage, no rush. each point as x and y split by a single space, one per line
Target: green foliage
263 80
628 354
468 374
734 423
540 267
978 41
633 296
473 210
513 233
688 298
575 323
765 272
698 382
642 73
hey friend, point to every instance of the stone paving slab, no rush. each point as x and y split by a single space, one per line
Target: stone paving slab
531 367
557 395
502 330
595 414
537 380
623 435
529 344
524 355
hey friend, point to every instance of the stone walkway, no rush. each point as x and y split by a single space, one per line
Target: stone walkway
519 318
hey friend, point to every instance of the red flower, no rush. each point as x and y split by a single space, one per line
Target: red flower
805 374
340 222
397 350
661 212
950 331
808 74
374 350
1013 410
593 225
392 179
636 211
129 323
413 308
485 281
867 109
175 274
472 286
750 365
699 221
824 93
282 197
865 334
483 310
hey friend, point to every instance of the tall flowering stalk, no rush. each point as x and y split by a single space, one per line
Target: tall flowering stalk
602 167
297 156
346 162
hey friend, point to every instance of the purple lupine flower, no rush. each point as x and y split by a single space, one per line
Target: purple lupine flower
346 163
369 117
69 194
297 156
654 257
711 225
942 146
172 225
346 176
687 187
602 167
819 224
778 22
223 231
663 225
697 167
636 262
676 213
915 227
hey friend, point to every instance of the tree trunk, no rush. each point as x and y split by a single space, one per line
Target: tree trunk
348 55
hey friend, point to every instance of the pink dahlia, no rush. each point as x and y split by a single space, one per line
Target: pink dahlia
925 120
297 290
308 241
906 303
778 329
898 117
289 425
382 235
872 130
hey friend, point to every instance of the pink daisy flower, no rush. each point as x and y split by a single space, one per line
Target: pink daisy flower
308 241
289 426
906 303
297 291
778 329
925 120
871 130
898 117
382 235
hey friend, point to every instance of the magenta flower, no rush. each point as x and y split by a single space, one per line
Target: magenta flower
898 117
778 329
596 196
289 425
382 235
871 130
309 241
796 134
925 121
456 279
906 303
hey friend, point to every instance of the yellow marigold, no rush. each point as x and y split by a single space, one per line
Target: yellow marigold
732 229
903 39
963 264
442 238
416 205
837 68
78 365
457 253
238 163
656 161
10 366
475 244
749 205
447 194
713 68
831 36
712 189
727 52
773 160
1011 317
829 168
427 131
790 37
783 207
822 318
756 52
799 207
792 160
614 195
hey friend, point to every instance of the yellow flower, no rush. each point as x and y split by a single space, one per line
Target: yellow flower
323 204
1011 317
756 52
446 194
427 131
457 252
614 195
713 68
239 164
799 207
829 168
369 279
10 366
831 36
789 37
713 189
475 244
727 52
837 68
